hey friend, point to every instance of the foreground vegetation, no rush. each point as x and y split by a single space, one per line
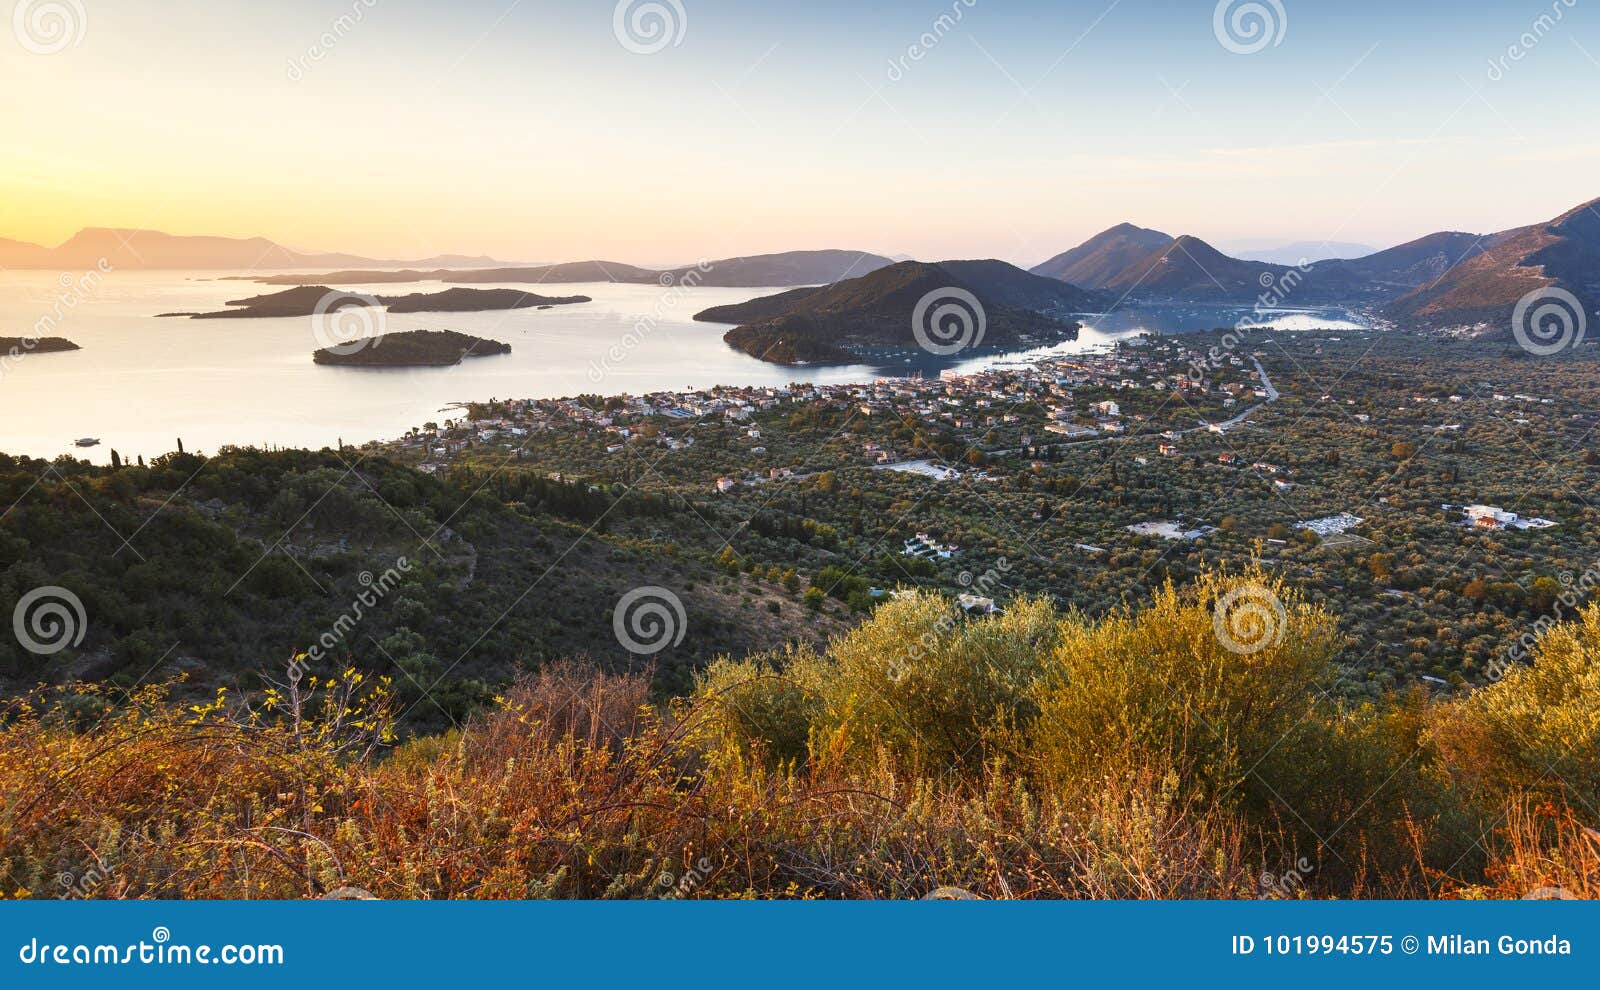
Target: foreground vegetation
1030 754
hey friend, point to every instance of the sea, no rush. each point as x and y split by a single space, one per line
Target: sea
140 384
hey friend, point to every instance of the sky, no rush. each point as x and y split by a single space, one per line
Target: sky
547 130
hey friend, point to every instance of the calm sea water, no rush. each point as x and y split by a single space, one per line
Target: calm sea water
140 383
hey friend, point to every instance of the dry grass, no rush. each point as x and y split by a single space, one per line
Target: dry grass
784 778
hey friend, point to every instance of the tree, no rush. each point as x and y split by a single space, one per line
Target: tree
1381 566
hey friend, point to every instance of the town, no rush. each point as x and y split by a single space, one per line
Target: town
1102 474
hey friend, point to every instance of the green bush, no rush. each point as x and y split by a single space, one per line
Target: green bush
1216 682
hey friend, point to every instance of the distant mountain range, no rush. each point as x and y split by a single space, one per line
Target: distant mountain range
1294 252
149 249
1445 279
842 322
141 249
1448 278
787 268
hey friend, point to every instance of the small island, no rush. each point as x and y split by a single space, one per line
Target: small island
474 300
308 300
35 345
304 300
410 349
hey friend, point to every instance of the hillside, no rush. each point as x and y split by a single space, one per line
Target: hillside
1447 278
836 323
1485 288
1393 271
1101 259
1031 755
1189 269
235 567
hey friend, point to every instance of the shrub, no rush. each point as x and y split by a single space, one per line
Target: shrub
1215 681
1537 730
932 686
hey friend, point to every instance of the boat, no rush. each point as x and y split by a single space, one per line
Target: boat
88 442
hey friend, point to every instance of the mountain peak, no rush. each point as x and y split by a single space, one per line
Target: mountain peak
1099 259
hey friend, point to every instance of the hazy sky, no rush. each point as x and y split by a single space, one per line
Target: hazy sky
528 130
